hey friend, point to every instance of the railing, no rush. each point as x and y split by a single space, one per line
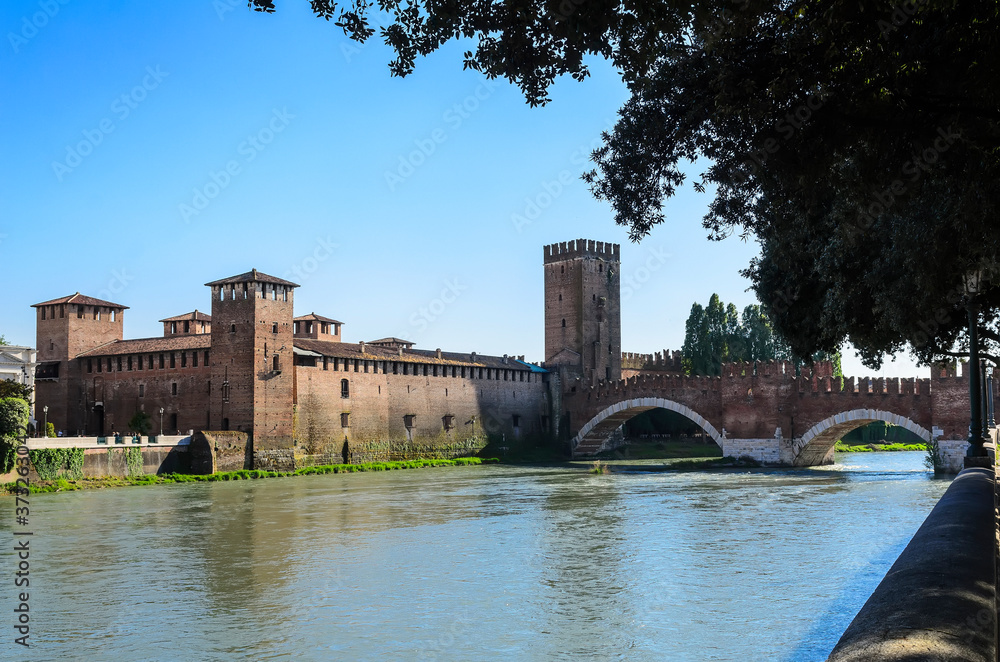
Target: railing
108 441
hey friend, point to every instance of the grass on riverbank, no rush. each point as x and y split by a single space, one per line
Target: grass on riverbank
841 447
63 485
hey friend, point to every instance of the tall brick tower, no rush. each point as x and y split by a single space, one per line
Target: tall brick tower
252 374
64 328
583 311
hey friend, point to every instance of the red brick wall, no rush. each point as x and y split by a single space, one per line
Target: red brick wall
378 403
582 287
260 398
60 337
119 391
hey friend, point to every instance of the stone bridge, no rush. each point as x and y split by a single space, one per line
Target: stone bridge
766 412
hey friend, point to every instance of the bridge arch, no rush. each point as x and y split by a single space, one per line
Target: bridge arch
817 443
596 431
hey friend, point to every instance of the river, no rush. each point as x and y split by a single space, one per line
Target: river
477 563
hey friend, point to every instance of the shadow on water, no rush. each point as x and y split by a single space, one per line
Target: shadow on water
842 609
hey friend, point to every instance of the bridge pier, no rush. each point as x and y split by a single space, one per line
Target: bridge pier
765 451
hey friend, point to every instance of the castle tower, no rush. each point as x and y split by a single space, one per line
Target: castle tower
583 311
252 374
65 328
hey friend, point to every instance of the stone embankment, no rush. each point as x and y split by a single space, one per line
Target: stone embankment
938 601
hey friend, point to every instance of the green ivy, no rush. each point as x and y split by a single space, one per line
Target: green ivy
133 460
74 464
49 462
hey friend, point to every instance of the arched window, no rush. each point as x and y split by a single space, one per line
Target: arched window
232 328
564 323
345 388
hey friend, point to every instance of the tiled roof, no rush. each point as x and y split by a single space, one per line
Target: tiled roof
149 345
316 318
253 276
392 340
80 299
197 316
376 353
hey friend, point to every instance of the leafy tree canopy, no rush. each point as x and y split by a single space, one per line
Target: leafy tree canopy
11 389
856 141
140 423
718 334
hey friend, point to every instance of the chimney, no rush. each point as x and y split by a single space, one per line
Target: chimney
473 357
437 352
362 346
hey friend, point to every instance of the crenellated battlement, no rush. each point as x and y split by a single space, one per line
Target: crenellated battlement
776 368
663 361
578 248
652 383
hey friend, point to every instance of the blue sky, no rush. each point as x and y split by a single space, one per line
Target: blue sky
153 147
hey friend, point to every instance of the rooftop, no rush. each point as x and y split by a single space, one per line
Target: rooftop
148 345
253 276
316 318
197 316
80 299
391 340
378 353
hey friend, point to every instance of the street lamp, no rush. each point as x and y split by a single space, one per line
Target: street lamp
45 418
161 421
977 449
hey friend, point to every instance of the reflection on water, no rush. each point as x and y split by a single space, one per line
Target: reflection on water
472 563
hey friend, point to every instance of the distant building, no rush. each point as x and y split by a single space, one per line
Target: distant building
17 363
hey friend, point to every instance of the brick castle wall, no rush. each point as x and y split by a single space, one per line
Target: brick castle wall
379 404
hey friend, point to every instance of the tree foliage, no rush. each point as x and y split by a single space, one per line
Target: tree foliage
717 334
13 425
140 423
857 141
12 389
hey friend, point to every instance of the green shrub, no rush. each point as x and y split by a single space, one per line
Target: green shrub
140 423
13 425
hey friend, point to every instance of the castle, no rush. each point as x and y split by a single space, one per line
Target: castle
279 386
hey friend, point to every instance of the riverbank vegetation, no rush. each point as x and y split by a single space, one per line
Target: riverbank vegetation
841 447
67 485
880 436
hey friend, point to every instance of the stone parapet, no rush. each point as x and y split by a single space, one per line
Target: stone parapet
938 600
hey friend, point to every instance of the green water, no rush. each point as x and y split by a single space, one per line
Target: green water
479 563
